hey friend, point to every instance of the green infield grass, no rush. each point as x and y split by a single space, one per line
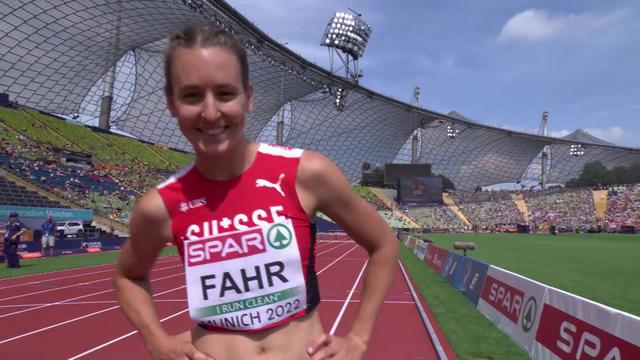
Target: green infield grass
600 267
471 335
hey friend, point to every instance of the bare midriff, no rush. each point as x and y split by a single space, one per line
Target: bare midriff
285 342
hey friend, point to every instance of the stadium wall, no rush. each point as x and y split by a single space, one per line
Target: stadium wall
546 322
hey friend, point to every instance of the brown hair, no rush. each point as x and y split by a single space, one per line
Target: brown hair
204 36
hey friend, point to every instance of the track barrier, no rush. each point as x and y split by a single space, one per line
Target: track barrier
546 322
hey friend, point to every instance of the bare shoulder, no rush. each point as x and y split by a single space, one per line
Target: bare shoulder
317 172
150 208
149 231
326 183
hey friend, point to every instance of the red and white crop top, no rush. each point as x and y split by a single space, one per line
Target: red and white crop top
247 244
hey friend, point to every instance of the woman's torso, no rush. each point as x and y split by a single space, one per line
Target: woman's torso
249 256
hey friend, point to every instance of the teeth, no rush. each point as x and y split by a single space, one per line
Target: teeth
215 131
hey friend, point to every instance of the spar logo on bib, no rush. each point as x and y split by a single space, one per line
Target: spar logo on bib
279 236
224 247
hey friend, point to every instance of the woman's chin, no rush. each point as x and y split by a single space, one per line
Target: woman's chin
210 148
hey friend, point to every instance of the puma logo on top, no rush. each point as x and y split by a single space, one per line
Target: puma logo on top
265 183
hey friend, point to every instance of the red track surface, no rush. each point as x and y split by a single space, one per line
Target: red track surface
73 314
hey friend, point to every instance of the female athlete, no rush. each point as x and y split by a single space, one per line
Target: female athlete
241 217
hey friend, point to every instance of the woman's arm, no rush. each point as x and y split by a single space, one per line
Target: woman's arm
324 183
149 230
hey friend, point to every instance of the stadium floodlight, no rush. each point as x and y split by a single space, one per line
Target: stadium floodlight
340 99
452 132
576 150
346 36
347 33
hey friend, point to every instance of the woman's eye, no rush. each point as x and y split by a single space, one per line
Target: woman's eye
226 95
190 96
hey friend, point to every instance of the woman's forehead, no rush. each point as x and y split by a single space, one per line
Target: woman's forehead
197 62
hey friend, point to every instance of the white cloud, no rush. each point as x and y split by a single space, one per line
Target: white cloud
611 134
538 25
561 133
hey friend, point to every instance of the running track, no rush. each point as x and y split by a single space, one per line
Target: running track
73 314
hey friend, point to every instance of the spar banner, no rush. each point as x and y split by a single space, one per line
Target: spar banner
451 268
513 303
471 278
435 257
572 327
421 249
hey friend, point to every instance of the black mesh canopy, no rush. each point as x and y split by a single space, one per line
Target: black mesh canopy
57 55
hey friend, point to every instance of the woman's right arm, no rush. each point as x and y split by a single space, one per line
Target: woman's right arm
149 230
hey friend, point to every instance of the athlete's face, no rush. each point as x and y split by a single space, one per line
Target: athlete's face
208 98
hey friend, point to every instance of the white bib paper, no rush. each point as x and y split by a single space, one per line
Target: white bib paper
245 279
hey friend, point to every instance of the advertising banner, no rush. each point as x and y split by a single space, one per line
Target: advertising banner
471 278
411 242
435 257
451 268
513 303
42 213
421 249
572 327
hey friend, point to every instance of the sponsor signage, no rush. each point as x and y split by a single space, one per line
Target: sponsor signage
572 327
451 268
471 278
411 242
435 257
513 303
421 249
42 213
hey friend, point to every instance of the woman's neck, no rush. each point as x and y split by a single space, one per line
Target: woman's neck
230 164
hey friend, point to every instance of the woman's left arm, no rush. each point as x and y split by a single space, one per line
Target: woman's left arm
326 186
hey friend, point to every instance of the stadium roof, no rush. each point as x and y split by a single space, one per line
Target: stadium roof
55 54
584 137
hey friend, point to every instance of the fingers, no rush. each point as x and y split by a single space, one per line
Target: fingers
322 348
194 354
317 343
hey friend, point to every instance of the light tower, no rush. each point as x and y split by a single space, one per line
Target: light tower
543 130
346 37
415 138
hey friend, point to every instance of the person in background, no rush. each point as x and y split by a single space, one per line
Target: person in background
13 229
48 235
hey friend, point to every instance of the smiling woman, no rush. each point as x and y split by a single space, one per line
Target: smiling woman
242 219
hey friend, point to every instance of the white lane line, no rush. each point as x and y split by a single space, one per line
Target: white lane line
80 297
77 318
70 269
48 280
326 251
336 260
102 302
133 332
74 285
357 301
123 337
425 319
346 303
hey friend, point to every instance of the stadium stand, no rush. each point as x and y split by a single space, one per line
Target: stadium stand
15 195
567 209
488 209
623 207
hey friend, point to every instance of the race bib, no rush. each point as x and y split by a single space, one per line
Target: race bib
245 279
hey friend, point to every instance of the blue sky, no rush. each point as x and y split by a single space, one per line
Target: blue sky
498 62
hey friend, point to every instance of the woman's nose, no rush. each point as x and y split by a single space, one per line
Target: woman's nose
210 109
